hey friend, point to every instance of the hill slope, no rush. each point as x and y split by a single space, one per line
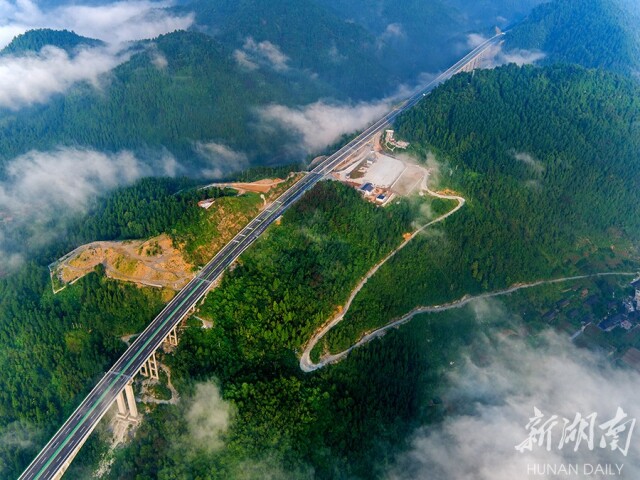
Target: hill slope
311 38
34 40
415 36
554 159
547 160
183 88
592 33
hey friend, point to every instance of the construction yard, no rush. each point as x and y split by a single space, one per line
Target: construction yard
379 176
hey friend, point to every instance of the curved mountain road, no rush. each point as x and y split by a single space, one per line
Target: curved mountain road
307 365
305 360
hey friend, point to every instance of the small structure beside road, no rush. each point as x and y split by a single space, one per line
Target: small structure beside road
392 143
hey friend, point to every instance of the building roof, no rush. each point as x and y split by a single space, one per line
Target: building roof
611 322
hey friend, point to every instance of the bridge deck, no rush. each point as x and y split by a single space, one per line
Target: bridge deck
54 458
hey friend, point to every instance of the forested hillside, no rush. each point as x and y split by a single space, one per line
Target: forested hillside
53 350
55 346
200 95
538 169
414 36
592 33
547 159
343 423
313 39
323 245
147 208
186 89
35 40
406 33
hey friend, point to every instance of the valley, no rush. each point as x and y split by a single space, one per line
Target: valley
223 231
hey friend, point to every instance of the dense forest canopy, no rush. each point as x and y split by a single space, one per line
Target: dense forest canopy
183 89
532 202
202 95
416 36
547 159
35 40
341 54
592 33
53 350
341 423
578 128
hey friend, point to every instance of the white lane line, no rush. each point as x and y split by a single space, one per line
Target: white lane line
448 73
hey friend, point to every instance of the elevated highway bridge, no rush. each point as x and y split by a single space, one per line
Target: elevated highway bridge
115 385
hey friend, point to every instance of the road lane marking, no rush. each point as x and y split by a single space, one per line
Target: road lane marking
288 197
101 398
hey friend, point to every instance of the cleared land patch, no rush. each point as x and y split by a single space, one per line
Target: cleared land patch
150 262
169 261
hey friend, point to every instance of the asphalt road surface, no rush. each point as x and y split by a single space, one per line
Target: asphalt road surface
84 419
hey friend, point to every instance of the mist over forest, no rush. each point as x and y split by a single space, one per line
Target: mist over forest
112 114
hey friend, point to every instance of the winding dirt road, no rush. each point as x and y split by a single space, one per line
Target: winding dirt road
305 360
307 365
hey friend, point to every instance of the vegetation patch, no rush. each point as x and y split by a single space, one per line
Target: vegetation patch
538 170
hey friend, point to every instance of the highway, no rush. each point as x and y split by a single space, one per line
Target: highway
69 438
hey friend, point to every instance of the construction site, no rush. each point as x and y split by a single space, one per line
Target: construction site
378 175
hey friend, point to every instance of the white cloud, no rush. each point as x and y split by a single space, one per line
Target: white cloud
41 191
493 400
17 438
528 159
394 30
254 53
321 124
66 178
242 58
498 56
520 56
208 418
475 39
221 158
335 55
113 22
391 32
159 60
34 78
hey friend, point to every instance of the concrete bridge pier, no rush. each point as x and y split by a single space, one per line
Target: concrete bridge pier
150 367
472 65
126 401
172 338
